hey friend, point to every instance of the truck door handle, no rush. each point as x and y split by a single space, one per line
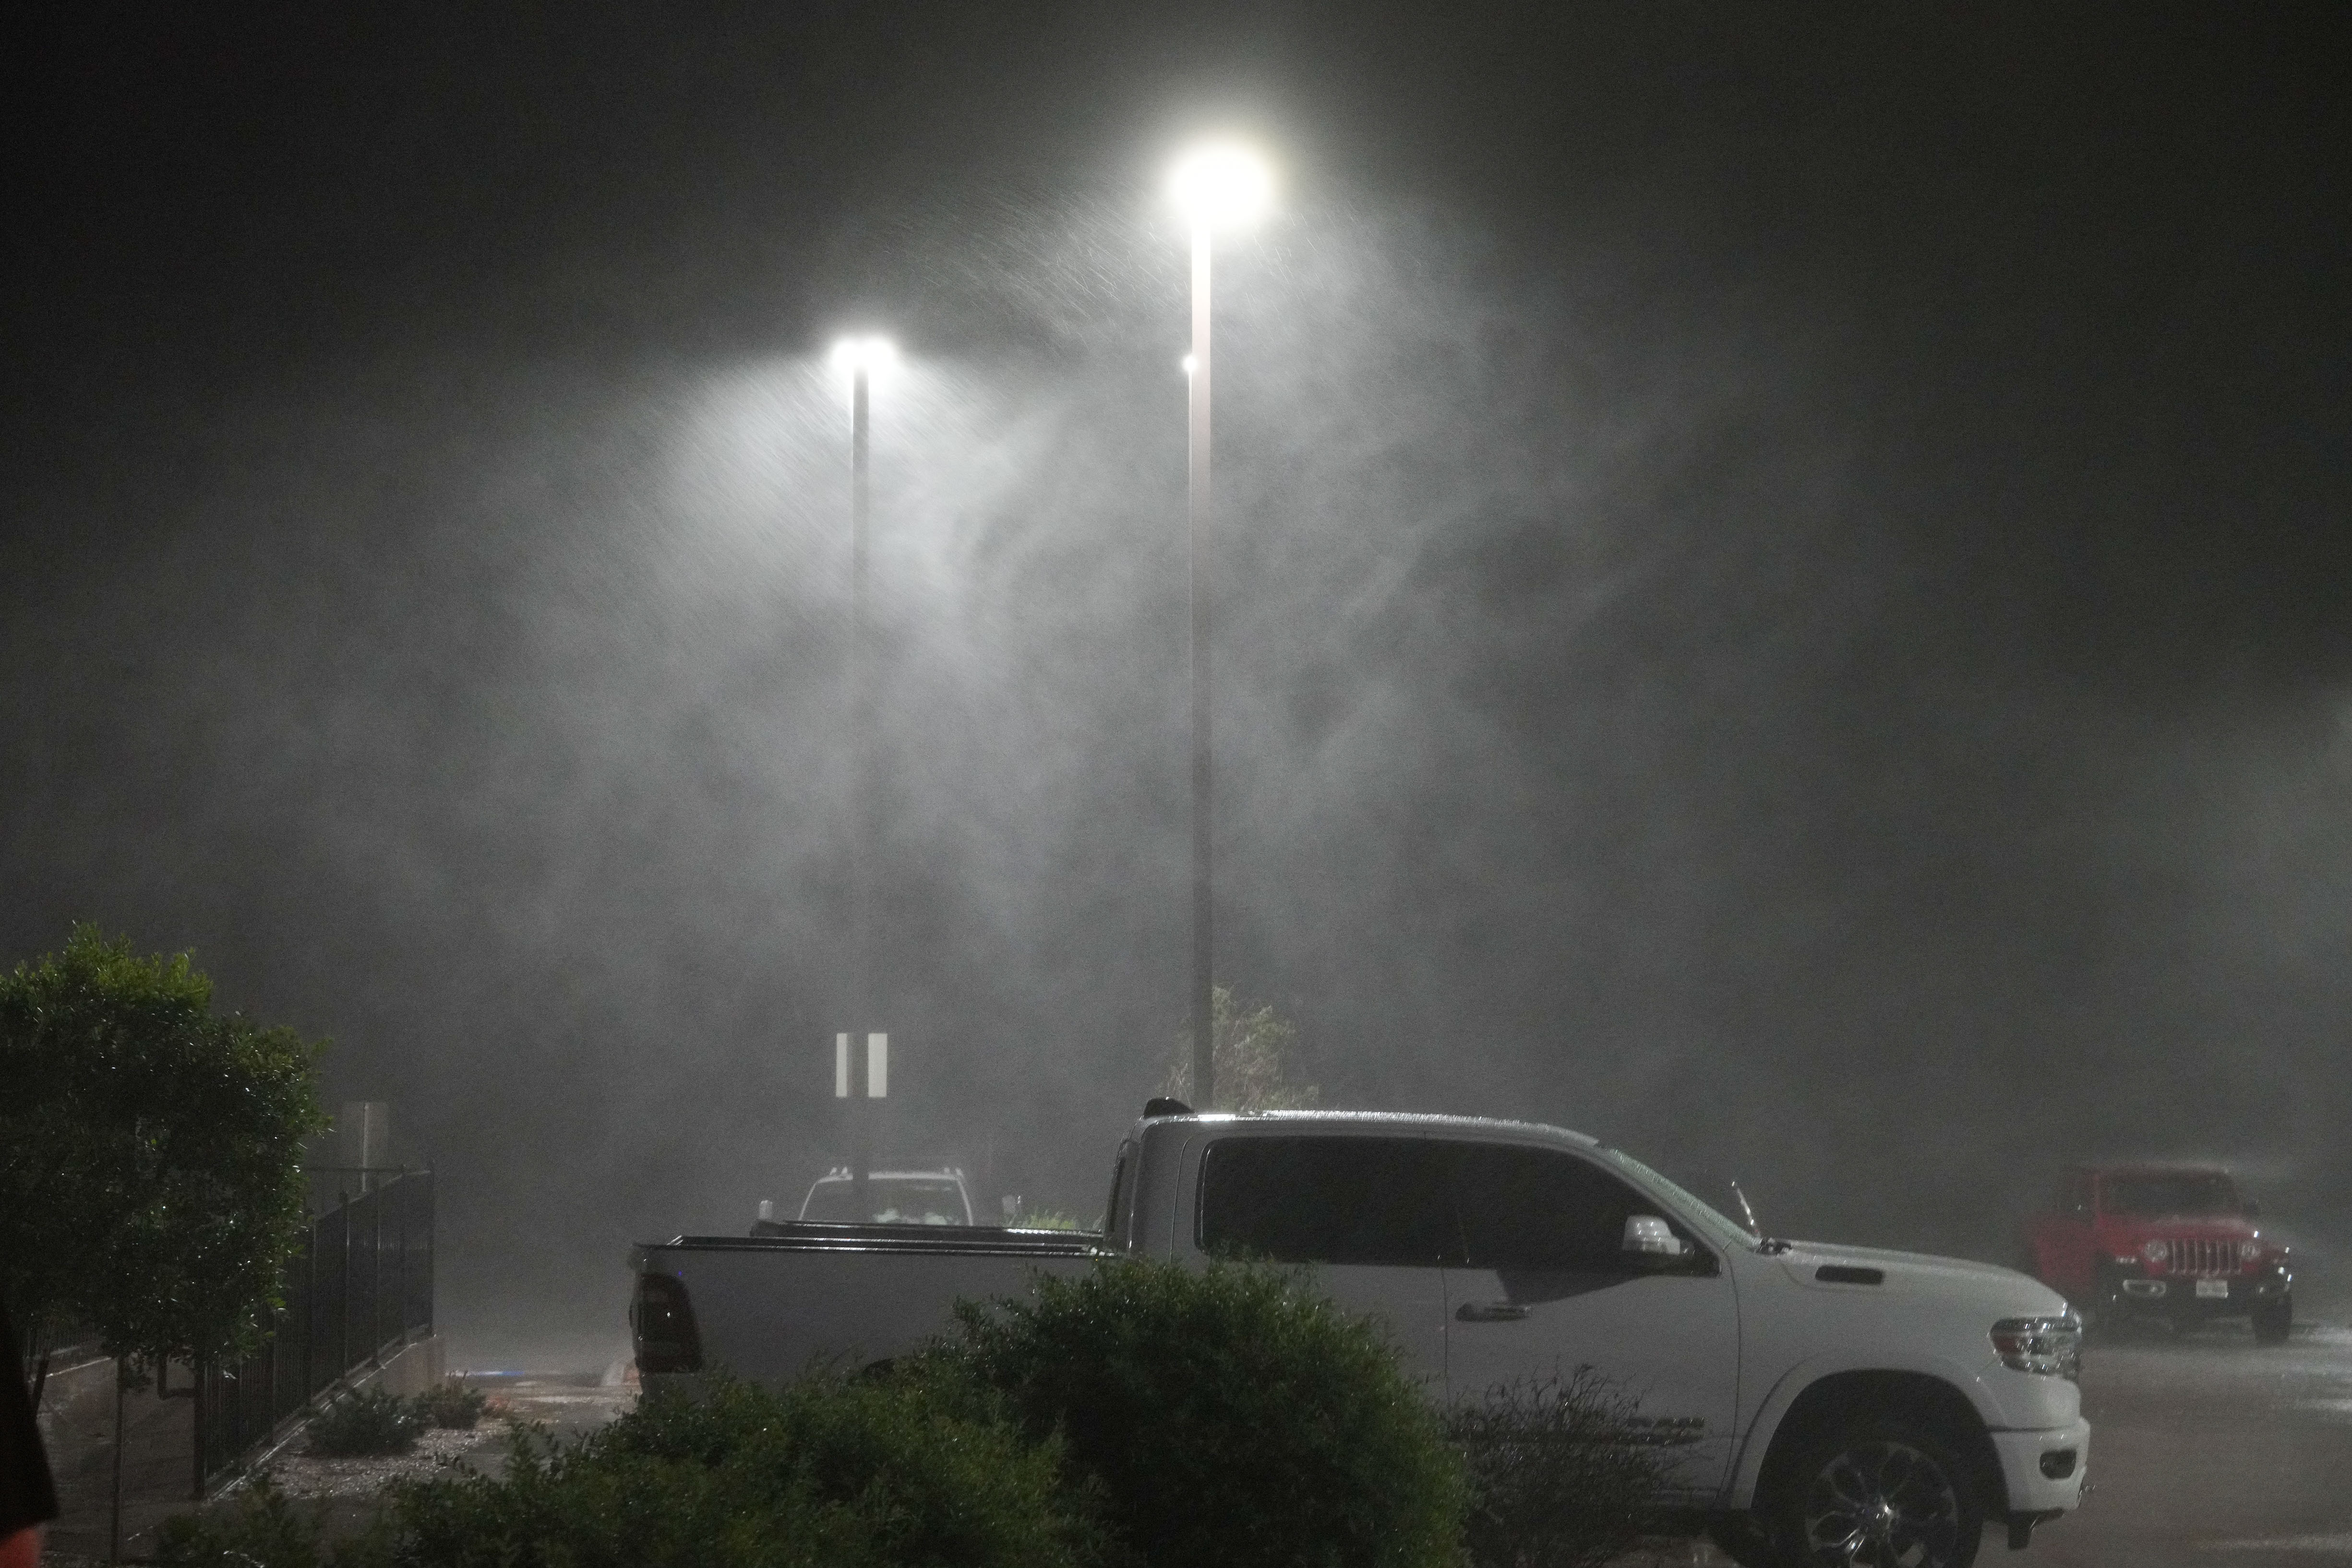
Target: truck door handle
1490 1311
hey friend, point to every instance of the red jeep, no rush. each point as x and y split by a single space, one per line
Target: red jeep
2171 1241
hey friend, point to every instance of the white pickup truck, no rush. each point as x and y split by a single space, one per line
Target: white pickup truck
1819 1403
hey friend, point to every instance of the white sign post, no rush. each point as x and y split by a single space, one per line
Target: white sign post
877 1087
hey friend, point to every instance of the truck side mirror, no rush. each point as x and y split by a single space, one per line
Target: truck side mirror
1647 1236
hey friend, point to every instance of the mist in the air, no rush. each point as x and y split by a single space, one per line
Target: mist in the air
1786 720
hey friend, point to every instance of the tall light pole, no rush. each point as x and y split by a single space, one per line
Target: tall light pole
861 357
1216 185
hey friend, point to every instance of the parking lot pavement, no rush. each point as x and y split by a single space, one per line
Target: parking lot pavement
2211 1452
2207 1451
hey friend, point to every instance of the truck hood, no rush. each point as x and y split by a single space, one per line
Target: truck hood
1822 1266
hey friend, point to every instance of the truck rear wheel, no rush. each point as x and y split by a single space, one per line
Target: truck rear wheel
2273 1321
1878 1490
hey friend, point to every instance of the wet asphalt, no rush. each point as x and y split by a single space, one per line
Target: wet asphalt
2210 1451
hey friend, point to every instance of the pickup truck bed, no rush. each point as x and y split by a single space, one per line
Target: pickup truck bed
855 1294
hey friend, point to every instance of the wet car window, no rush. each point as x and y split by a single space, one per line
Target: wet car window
1328 1200
887 1203
2077 1200
2169 1193
1114 1223
1532 1208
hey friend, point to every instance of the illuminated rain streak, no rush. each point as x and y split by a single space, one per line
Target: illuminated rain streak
657 803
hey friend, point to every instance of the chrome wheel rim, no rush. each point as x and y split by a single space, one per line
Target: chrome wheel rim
1882 1505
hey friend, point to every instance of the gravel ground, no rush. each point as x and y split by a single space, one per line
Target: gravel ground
565 1405
300 1475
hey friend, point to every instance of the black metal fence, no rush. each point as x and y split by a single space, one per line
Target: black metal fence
362 1288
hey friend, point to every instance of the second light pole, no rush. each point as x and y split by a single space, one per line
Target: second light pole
1217 185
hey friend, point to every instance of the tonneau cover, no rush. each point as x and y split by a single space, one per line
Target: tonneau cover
812 1236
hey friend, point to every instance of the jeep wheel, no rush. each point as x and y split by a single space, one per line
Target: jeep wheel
2274 1320
1880 1491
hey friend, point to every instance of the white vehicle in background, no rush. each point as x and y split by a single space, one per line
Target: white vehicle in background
936 1196
1821 1405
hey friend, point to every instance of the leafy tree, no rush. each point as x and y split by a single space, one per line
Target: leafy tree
1249 1049
151 1154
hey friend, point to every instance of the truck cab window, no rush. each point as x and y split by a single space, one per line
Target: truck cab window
1527 1208
1329 1200
1114 1223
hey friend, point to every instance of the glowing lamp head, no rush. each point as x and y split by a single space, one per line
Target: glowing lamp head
1221 184
867 354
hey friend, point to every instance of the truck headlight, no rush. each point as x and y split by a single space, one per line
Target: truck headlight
2050 1347
2158 1251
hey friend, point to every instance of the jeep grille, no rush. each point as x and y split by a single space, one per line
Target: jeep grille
2204 1257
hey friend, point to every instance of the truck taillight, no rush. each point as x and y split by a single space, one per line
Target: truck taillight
661 1321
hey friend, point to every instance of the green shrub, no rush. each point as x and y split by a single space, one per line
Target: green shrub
1561 1473
260 1527
1227 1415
453 1406
368 1422
827 1473
1139 1416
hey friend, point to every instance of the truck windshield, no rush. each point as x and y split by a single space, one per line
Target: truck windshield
2169 1192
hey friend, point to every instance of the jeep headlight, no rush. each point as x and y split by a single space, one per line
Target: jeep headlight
2157 1252
2050 1347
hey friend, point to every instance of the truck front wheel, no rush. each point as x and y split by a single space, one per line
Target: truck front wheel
2274 1320
1878 1490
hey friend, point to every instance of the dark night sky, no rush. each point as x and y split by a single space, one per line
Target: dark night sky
1786 603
